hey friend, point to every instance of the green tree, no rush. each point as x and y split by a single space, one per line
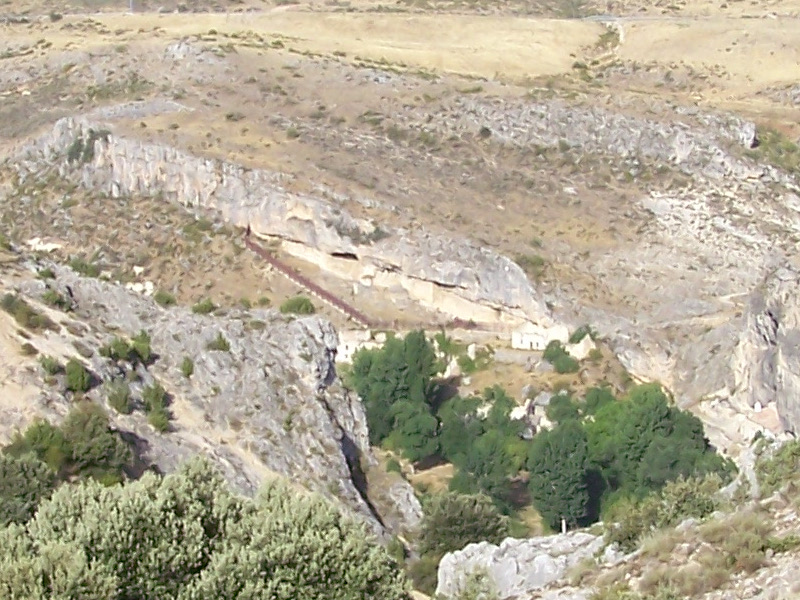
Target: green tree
596 398
486 469
377 378
486 449
459 427
558 464
402 370
414 431
451 521
187 537
562 409
24 483
421 366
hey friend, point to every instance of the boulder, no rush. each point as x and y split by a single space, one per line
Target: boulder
517 567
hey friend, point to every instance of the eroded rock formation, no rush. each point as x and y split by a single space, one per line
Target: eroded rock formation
271 404
767 360
454 276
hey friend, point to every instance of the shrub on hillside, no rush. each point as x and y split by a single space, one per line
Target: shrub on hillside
140 344
204 307
566 364
24 314
79 379
53 298
119 397
83 267
562 362
776 469
83 445
95 450
187 367
450 522
24 482
155 403
219 343
629 520
44 441
298 305
50 365
136 351
164 298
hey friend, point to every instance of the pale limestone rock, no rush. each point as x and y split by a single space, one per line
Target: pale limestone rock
582 349
517 566
766 364
38 245
454 276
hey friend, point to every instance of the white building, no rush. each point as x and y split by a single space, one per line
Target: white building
351 341
535 337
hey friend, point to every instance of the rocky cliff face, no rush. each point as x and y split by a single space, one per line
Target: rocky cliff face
450 267
272 404
767 359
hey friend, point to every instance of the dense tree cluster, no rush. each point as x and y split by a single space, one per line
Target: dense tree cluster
406 412
396 384
628 448
601 449
187 537
485 445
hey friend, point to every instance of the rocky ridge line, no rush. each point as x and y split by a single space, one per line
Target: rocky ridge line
454 276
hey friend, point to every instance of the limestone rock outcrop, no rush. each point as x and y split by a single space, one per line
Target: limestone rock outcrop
516 567
454 276
271 404
767 359
595 130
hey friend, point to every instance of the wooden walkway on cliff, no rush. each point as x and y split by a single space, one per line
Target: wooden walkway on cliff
312 288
